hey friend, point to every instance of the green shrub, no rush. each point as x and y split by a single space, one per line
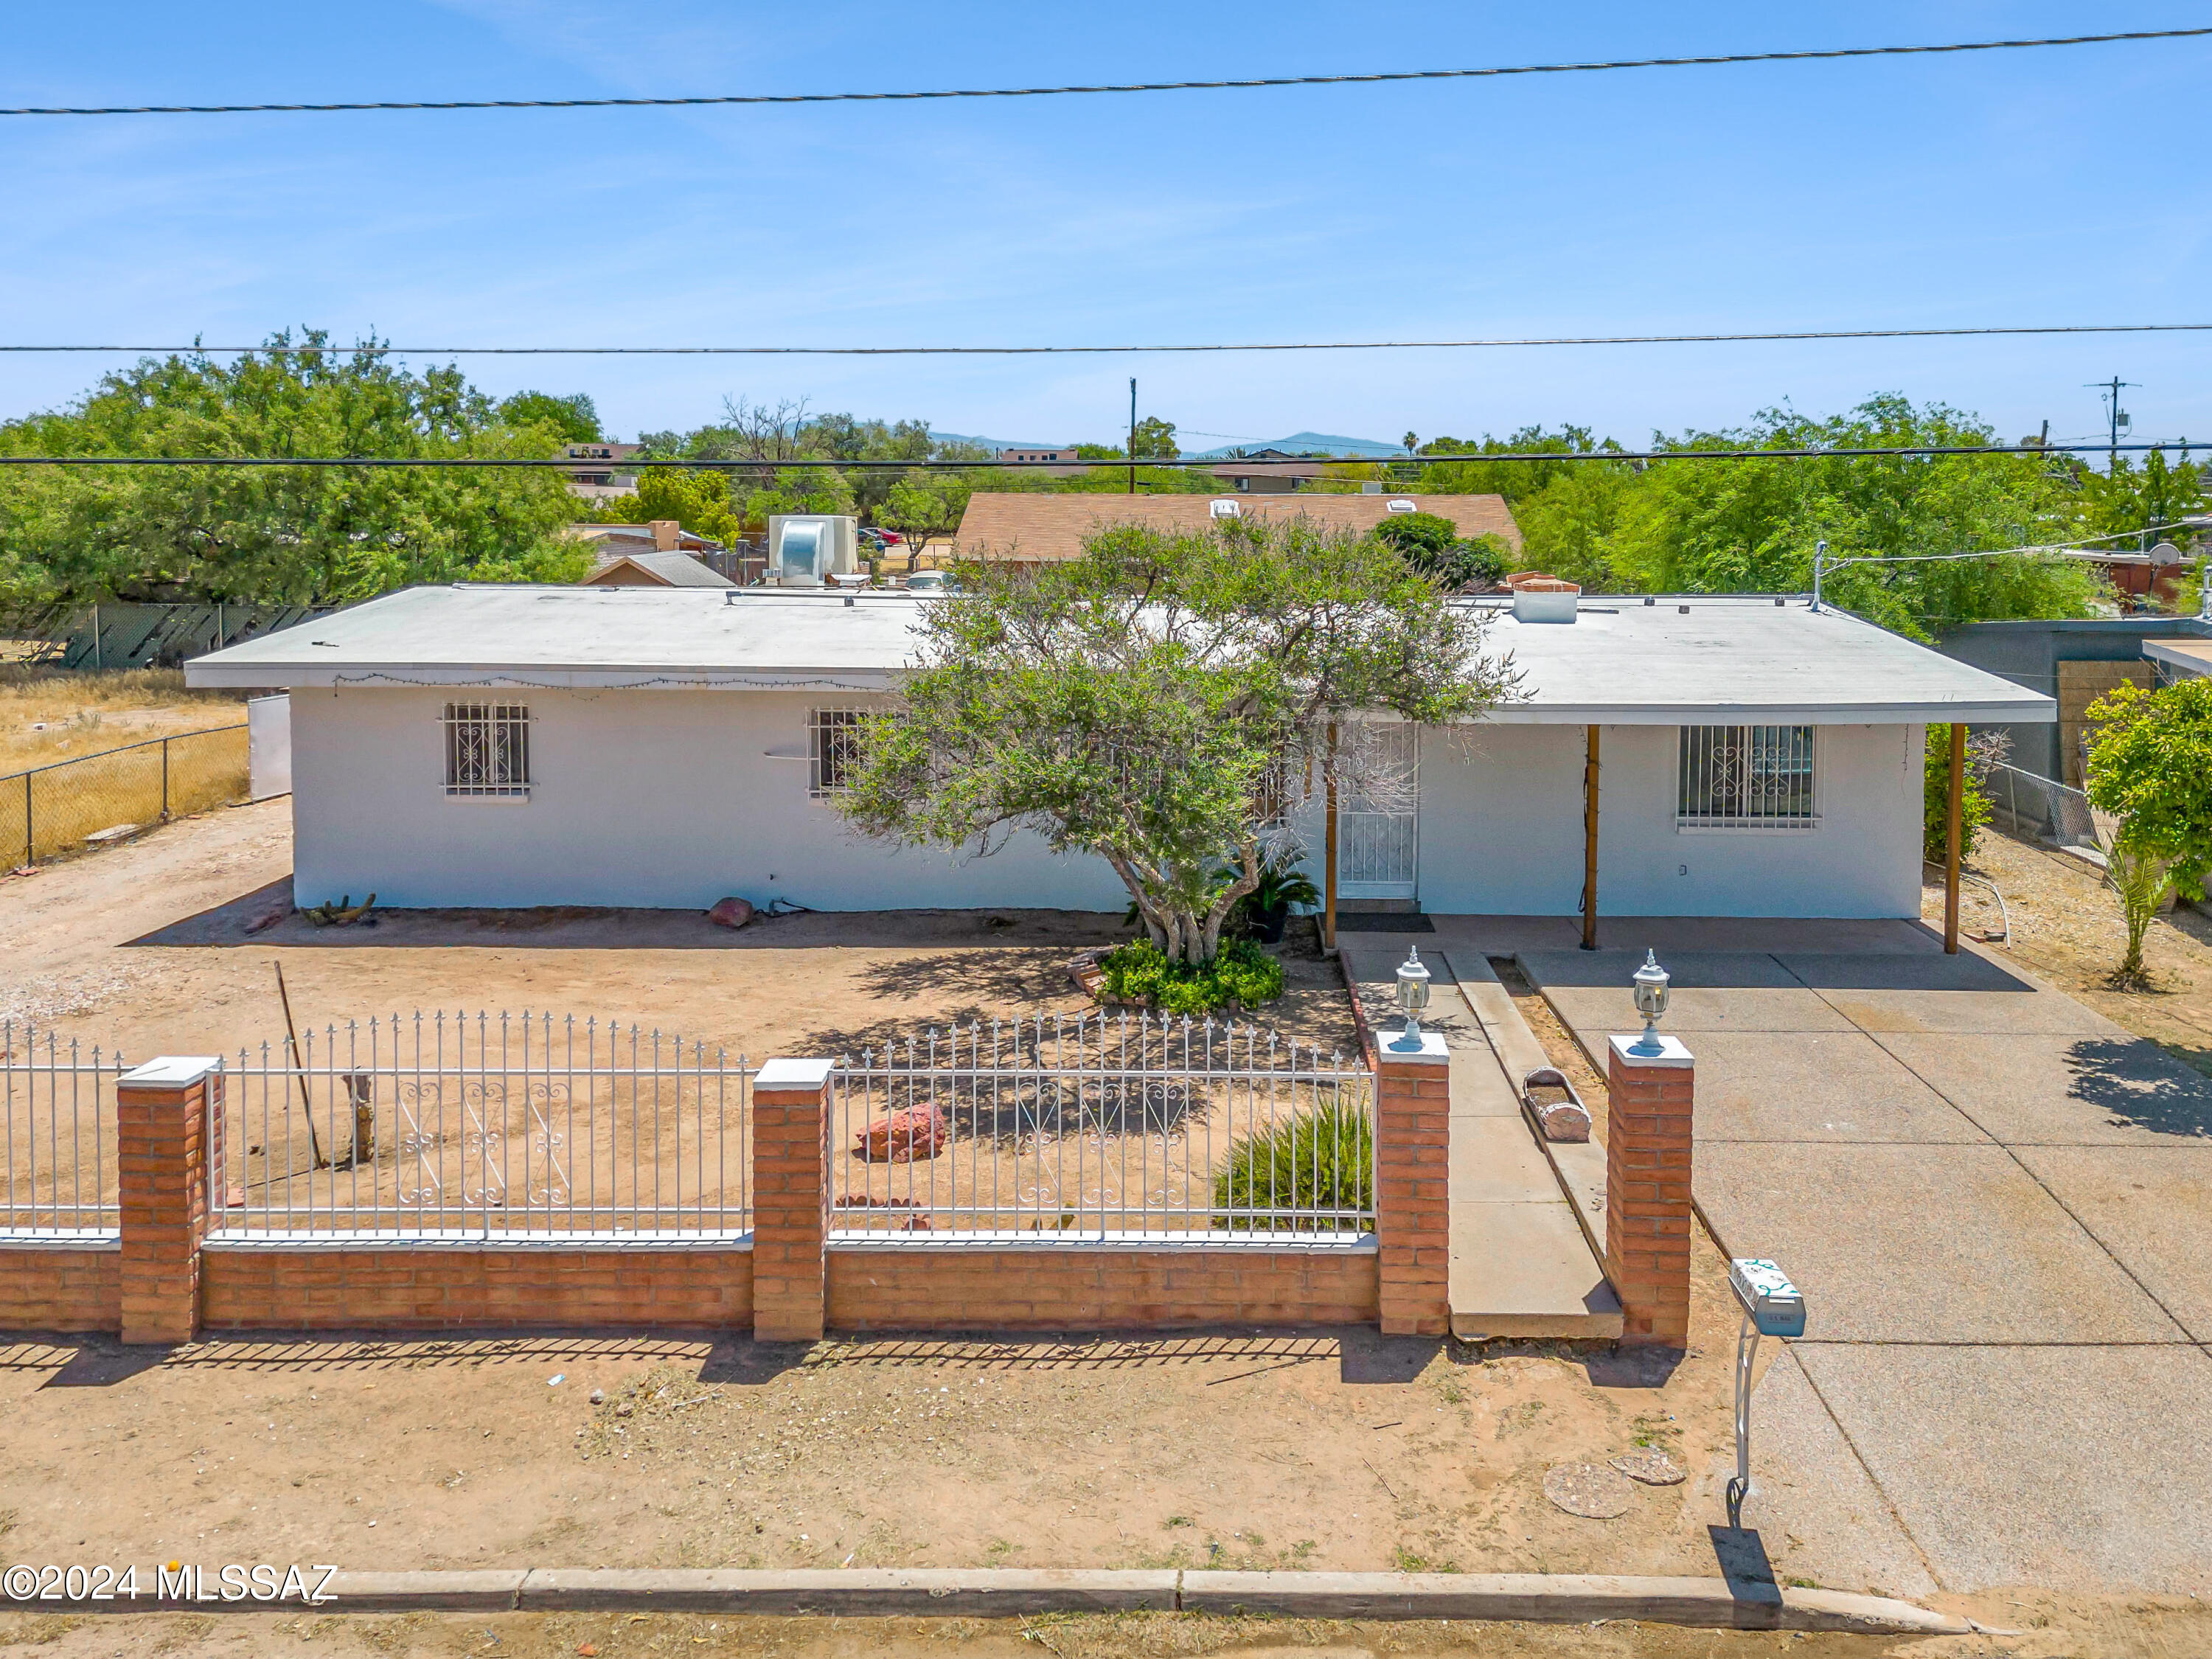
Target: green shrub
1243 975
1322 1159
1973 800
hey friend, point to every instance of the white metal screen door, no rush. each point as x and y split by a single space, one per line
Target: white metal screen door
1378 814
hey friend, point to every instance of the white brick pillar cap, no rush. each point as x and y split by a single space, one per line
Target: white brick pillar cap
1671 1052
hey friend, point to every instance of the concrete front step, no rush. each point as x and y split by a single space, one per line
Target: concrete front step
1521 1264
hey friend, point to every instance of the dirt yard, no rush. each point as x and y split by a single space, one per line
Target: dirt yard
2046 1630
1320 1449
2066 929
46 716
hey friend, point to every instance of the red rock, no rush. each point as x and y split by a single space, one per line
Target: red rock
903 1136
730 913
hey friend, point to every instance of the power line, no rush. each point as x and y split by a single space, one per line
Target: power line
1135 86
1498 342
747 464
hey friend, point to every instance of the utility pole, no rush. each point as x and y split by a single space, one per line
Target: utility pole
2116 417
1132 435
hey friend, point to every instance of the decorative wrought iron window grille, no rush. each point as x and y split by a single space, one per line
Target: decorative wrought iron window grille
487 748
1747 777
834 748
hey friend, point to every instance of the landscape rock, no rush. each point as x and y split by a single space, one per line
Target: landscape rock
903 1137
732 912
1591 1490
1649 1468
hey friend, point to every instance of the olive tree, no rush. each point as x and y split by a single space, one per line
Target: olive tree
2150 767
1157 702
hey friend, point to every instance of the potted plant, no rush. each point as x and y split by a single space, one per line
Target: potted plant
1264 911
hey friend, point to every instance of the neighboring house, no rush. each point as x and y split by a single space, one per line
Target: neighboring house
2074 662
1056 459
599 467
612 541
487 746
1270 473
1028 528
656 570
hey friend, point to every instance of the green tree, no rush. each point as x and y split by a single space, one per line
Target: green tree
1154 440
1936 796
275 535
1432 544
699 501
2126 498
2150 767
574 419
1146 702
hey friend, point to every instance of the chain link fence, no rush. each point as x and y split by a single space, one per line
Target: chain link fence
62 807
2041 808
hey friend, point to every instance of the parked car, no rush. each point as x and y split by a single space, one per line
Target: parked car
931 581
880 539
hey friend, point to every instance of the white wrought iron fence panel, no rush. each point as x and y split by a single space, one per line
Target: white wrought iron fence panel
1100 1125
458 1125
57 1136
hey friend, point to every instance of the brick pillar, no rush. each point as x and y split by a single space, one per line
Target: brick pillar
165 1112
1647 1189
791 1198
1413 1210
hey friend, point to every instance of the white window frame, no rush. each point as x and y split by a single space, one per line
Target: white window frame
832 732
1750 778
487 751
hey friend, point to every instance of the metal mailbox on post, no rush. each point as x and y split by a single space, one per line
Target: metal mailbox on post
1772 1306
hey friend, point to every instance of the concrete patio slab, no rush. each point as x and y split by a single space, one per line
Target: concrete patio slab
2064 1089
1511 935
1687 970
2149 1208
1943 1243
1757 1008
1816 1086
1971 1012
1812 1501
2080 1468
1853 970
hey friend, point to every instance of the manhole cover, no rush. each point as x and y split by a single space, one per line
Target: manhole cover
1651 1468
1589 1489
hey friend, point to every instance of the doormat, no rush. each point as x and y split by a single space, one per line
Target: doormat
1381 921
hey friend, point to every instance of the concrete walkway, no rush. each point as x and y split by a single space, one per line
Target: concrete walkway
1996 1203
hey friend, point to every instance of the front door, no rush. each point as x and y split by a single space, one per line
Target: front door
1377 813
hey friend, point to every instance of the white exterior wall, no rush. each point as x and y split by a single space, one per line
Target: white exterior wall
665 798
1502 829
658 799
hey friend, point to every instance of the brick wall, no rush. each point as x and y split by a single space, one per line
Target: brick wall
317 1288
57 1290
1095 1287
1647 1147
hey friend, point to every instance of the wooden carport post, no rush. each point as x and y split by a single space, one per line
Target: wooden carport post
1952 817
1589 841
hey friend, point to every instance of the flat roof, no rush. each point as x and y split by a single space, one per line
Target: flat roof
1622 661
2190 656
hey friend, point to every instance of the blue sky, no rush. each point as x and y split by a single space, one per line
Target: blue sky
2052 186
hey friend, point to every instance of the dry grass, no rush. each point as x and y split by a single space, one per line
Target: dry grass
47 717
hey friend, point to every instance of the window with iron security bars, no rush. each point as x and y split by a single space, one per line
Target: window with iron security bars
1747 777
487 748
834 748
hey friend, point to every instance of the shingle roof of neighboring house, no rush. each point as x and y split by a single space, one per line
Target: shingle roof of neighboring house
667 569
1035 526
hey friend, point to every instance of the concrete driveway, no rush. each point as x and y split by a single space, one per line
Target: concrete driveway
1996 1203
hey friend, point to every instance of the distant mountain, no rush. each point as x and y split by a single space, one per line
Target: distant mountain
1304 443
996 443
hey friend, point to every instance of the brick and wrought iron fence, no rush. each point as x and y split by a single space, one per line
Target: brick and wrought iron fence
445 1126
1104 1126
57 1147
56 808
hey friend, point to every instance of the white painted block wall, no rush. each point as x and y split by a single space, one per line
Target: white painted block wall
670 799
1502 829
658 798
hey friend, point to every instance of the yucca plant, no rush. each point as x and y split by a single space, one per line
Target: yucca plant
1322 1159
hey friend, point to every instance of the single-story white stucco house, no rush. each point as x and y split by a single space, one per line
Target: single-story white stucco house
515 746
